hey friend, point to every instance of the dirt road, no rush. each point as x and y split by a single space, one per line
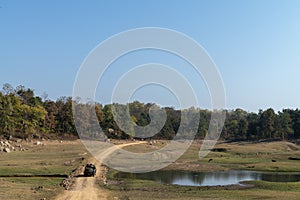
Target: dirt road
86 188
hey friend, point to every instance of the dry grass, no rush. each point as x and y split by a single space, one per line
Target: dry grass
29 188
249 156
48 159
52 158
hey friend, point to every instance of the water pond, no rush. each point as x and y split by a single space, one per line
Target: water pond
210 178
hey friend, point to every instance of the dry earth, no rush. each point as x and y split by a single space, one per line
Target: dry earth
86 188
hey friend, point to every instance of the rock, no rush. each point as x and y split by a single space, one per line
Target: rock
38 143
67 163
83 154
7 150
9 146
36 136
110 130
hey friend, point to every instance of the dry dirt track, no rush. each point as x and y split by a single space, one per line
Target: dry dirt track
85 188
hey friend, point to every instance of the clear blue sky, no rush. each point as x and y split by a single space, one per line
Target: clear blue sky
255 44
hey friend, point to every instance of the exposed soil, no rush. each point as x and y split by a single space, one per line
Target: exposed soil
87 187
84 188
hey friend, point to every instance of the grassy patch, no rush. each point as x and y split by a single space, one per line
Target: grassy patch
277 186
52 158
150 190
48 159
248 156
29 188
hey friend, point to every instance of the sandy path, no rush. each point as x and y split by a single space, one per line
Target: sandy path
85 188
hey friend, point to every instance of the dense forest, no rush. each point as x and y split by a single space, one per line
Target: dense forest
23 114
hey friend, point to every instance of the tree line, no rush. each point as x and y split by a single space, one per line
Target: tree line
23 114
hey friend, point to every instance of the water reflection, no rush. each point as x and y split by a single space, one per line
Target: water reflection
281 177
210 178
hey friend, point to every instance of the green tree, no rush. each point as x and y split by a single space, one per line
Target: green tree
64 116
50 118
28 97
7 112
253 126
295 115
108 123
284 124
267 121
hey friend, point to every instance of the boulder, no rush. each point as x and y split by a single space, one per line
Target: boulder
110 130
7 150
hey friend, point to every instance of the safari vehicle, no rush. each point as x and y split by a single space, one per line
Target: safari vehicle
90 170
